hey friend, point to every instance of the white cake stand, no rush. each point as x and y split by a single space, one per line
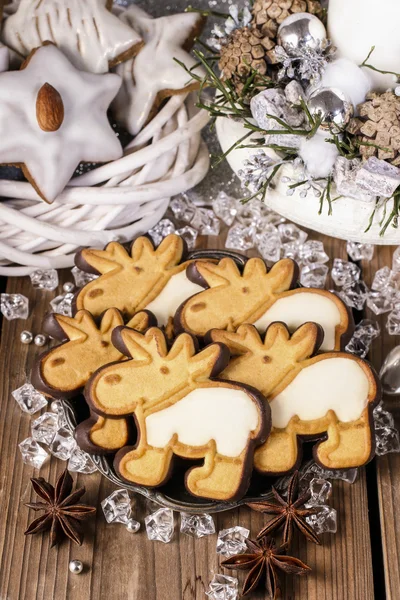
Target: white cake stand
349 219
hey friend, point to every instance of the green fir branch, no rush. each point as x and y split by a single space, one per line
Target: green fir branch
207 13
368 66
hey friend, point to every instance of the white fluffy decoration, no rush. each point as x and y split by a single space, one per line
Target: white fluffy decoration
318 155
347 76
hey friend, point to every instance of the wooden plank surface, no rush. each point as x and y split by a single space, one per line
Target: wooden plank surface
120 565
387 467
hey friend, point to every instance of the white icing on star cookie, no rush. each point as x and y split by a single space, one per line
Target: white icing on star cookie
85 30
154 74
53 117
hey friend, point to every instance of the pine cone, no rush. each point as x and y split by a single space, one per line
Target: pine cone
242 52
269 14
378 123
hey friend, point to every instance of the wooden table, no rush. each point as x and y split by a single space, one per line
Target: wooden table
360 562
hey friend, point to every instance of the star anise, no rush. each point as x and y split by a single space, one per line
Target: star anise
264 559
289 513
61 513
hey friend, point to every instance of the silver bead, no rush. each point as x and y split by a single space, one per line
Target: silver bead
55 406
26 337
332 106
68 287
40 339
76 566
302 29
133 526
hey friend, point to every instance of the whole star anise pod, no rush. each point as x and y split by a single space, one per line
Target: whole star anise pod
289 513
264 559
61 513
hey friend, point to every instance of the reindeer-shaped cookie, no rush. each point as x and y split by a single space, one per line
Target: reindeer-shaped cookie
259 297
64 370
330 393
180 410
144 278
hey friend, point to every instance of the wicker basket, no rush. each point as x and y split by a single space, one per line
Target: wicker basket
116 201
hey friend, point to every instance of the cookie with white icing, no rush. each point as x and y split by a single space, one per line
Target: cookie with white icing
63 371
180 408
144 277
328 395
260 296
54 117
153 74
86 31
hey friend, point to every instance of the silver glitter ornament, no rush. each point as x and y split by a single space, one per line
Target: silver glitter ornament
40 339
302 30
332 106
133 526
76 567
26 337
68 287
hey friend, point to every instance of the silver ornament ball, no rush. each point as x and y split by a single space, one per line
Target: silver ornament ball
26 337
300 30
68 287
332 106
76 566
133 526
40 339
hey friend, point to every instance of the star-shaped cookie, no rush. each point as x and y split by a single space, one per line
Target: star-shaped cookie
53 117
86 31
153 74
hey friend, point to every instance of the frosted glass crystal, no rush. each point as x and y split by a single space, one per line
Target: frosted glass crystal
44 279
29 399
232 541
14 306
160 525
32 453
117 507
197 525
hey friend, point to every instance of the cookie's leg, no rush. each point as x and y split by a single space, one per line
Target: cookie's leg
146 465
278 454
219 478
110 434
348 444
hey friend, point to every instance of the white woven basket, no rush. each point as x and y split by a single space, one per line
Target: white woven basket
116 201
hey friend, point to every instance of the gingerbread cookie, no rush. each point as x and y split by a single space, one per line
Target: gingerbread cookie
64 370
86 31
260 297
55 117
143 278
328 395
180 409
154 74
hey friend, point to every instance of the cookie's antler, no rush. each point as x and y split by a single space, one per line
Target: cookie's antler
142 320
112 318
77 328
301 345
112 258
215 275
282 275
168 254
245 339
209 362
139 346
